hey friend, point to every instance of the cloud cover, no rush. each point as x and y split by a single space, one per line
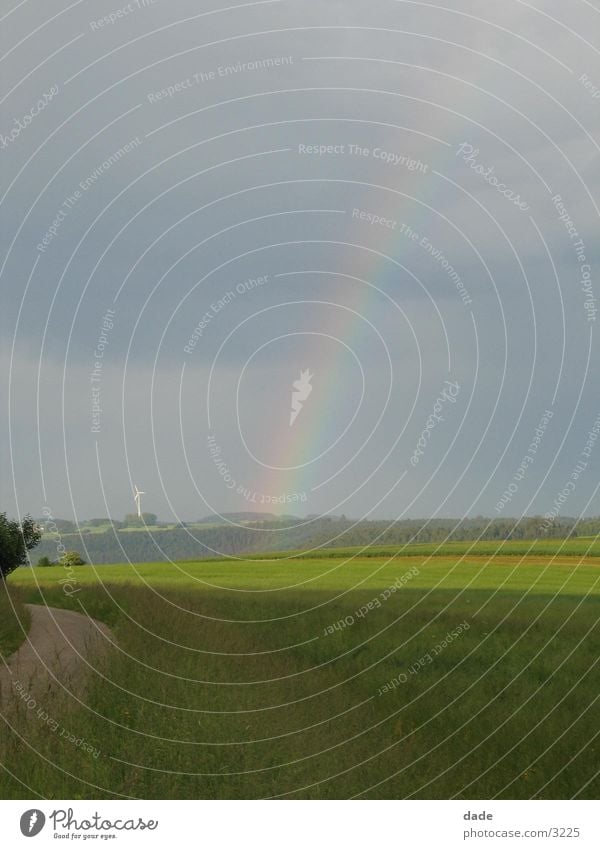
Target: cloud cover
188 154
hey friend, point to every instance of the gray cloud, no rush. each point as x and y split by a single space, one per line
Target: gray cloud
218 188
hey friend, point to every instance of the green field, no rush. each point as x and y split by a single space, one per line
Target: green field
575 547
344 573
14 620
235 679
587 546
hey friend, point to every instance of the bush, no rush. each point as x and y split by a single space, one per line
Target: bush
45 561
72 558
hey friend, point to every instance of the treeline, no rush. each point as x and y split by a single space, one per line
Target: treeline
480 527
116 546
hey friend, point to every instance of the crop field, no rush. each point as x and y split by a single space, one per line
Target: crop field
343 574
465 675
574 547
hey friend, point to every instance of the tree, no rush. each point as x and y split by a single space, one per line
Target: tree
132 520
64 526
45 561
72 558
15 541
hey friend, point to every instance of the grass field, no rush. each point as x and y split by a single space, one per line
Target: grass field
534 573
476 677
575 547
14 619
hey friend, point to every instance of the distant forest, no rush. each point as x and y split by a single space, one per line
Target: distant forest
203 539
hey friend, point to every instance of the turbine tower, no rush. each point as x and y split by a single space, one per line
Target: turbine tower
137 497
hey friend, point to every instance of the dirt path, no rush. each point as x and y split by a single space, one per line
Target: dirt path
58 642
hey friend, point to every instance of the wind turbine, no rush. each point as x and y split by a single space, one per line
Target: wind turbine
137 497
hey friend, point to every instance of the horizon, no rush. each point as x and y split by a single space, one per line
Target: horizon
314 516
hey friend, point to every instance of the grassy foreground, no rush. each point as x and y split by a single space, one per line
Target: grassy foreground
14 619
475 677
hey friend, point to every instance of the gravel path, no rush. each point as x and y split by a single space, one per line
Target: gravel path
58 642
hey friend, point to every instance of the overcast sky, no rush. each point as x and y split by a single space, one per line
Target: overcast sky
396 198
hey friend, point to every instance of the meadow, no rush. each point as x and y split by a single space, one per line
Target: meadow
460 675
14 620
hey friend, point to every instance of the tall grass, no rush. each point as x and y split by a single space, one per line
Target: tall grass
194 703
14 618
